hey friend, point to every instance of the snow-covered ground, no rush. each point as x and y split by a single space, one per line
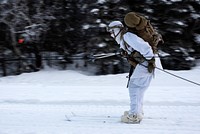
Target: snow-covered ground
69 102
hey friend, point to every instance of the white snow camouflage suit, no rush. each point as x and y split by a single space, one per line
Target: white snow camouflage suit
141 78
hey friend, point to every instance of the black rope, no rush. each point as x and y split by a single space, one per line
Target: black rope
198 84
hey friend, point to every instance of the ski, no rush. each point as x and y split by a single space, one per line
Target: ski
104 119
67 118
99 119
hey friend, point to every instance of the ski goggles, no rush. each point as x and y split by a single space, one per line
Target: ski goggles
110 29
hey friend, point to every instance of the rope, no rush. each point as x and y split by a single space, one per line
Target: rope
198 84
105 56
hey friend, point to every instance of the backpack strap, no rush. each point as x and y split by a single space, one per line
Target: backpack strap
125 44
134 57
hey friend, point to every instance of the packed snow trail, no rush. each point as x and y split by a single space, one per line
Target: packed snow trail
67 102
98 119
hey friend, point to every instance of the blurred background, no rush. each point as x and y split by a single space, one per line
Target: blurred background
65 34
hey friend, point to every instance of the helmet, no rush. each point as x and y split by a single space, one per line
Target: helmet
114 24
131 19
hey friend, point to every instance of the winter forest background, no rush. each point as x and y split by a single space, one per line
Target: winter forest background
65 34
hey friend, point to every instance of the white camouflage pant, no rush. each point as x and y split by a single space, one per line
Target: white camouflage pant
137 88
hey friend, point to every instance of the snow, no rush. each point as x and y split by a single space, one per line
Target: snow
197 38
86 26
94 10
101 1
70 102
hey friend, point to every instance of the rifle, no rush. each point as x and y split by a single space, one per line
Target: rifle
103 55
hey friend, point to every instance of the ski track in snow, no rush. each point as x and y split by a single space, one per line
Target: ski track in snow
78 119
70 103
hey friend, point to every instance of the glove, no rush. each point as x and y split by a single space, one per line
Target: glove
136 56
123 53
151 65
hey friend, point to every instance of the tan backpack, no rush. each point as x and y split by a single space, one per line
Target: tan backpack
142 27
